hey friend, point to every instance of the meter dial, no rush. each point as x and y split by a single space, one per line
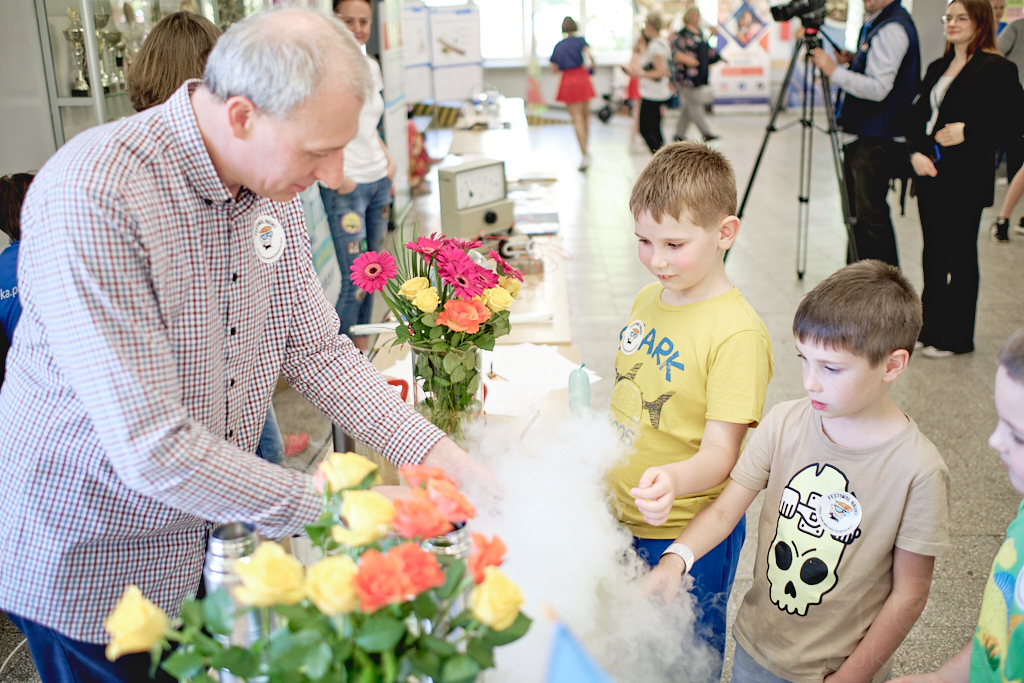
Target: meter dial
479 186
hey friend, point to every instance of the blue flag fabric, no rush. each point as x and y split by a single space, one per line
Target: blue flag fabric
571 663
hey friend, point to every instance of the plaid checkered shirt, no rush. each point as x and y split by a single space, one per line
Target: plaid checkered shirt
142 369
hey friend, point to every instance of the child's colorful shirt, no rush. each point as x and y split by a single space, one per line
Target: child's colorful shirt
998 652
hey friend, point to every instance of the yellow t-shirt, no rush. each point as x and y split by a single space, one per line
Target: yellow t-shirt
677 367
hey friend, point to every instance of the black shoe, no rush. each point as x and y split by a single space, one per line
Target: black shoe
1001 231
709 138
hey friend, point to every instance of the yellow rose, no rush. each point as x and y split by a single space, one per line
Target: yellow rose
497 600
509 285
497 299
270 577
346 470
413 286
329 585
368 515
135 625
427 300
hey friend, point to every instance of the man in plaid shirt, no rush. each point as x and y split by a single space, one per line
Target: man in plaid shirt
167 282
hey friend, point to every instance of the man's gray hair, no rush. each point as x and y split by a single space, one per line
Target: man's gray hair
279 64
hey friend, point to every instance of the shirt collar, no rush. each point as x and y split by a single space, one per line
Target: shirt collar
195 159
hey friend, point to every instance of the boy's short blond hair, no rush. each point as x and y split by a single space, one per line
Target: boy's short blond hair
1012 357
867 308
686 178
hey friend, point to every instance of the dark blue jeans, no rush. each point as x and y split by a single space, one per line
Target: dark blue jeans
60 659
271 445
359 221
712 575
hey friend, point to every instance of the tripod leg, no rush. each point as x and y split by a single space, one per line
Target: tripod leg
837 161
780 102
806 155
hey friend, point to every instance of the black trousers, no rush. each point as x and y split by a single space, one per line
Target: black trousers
650 124
868 164
950 296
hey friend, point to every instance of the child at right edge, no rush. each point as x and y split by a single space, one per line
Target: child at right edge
856 504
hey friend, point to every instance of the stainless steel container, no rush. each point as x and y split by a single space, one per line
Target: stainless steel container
231 544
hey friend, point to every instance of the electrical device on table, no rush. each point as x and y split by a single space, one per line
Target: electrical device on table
474 198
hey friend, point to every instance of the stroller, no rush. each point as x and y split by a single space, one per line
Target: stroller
615 101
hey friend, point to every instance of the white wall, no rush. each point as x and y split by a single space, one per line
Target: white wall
26 129
928 20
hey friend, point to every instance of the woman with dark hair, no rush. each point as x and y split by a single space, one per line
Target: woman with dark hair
13 189
575 89
175 51
970 102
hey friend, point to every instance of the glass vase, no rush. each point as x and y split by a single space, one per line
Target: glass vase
451 395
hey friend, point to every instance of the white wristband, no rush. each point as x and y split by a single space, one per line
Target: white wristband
683 552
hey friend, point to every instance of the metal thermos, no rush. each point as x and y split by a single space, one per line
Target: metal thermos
229 545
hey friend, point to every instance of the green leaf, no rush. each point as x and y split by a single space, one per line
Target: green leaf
219 612
318 661
424 607
514 632
368 674
461 669
453 577
440 346
469 360
429 319
389 666
436 332
205 644
298 617
473 385
426 663
192 614
486 343
202 677
182 664
442 647
402 334
481 652
459 374
379 633
238 661
441 381
464 619
289 650
451 361
367 483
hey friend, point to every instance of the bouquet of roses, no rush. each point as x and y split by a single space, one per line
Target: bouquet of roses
377 607
448 306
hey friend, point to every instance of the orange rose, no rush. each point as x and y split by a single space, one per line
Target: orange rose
379 581
485 554
418 475
463 316
449 500
420 569
417 517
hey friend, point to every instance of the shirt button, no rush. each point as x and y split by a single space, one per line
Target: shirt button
231 433
232 332
234 277
231 382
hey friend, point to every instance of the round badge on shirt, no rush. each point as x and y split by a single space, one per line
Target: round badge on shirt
268 238
631 337
840 513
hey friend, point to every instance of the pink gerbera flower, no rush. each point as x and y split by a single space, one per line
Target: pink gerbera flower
506 269
372 270
459 271
460 243
426 246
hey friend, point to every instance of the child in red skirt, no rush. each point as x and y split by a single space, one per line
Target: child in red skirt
575 89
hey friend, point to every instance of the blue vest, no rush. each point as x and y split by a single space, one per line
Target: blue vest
885 119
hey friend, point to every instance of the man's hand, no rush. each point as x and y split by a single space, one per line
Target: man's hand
654 495
844 57
348 186
923 166
823 61
664 579
951 134
463 469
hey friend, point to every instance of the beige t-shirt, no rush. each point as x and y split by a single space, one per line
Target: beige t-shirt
830 521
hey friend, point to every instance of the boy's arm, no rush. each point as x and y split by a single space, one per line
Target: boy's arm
956 670
707 529
709 467
911 580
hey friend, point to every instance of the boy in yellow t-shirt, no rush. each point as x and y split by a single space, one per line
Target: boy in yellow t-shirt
694 361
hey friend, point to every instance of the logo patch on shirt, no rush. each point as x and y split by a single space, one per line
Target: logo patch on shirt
351 222
840 513
268 238
631 337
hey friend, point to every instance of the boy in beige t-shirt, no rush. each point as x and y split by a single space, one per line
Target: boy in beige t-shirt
856 501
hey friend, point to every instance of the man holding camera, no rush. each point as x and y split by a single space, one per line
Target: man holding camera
874 99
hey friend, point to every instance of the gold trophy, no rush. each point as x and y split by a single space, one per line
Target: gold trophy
76 36
112 39
101 19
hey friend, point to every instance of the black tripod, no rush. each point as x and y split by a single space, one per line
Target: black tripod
808 42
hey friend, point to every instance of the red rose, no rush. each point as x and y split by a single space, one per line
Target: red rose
449 500
379 581
420 569
485 554
417 517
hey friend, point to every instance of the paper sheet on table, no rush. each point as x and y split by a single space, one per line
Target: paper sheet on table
531 372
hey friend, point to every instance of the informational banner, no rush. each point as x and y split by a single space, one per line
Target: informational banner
325 259
395 123
741 80
455 36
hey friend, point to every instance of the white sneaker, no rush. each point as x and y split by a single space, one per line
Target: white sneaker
585 164
932 352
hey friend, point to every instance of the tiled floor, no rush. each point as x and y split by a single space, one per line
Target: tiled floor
950 399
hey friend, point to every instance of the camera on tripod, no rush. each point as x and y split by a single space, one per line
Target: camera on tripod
811 12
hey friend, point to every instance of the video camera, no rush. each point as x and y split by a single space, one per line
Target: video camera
811 12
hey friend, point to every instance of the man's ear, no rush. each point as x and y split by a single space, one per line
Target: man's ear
241 114
895 364
728 229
